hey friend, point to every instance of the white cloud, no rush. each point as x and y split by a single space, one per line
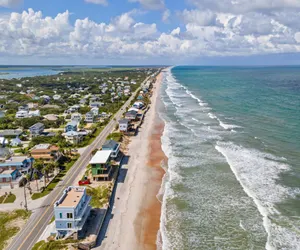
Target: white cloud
202 18
10 3
102 2
204 34
246 6
166 15
150 4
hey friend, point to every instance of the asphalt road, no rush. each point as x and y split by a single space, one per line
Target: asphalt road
40 218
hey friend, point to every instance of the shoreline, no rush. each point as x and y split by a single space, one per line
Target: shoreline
134 221
150 211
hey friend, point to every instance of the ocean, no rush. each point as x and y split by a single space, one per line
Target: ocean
10 72
233 141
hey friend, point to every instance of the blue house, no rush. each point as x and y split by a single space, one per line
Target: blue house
71 126
8 176
22 163
113 146
71 211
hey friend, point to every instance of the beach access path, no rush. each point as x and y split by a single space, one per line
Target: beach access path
41 216
126 221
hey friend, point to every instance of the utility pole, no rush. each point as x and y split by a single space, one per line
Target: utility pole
25 205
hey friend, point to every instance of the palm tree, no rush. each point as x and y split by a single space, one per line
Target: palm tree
36 177
38 166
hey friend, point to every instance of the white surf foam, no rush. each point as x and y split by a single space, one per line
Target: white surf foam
258 176
227 126
201 103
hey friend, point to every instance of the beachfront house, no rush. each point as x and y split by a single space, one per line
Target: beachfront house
138 105
124 125
71 126
71 211
131 115
101 168
46 152
37 129
112 146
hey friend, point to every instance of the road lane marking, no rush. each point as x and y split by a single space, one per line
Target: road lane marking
93 145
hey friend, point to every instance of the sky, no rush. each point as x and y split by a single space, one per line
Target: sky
134 32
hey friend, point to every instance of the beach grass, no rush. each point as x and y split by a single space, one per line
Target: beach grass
54 245
8 226
116 136
100 196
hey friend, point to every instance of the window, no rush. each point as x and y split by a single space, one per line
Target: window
69 215
69 225
60 215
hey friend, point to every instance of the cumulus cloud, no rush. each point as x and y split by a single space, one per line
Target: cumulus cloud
150 4
102 2
203 33
245 6
199 17
10 3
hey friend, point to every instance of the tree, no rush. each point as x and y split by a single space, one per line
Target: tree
36 177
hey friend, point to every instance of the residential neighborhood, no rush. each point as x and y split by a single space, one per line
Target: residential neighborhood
42 136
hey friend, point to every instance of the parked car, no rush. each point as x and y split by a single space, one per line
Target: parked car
84 182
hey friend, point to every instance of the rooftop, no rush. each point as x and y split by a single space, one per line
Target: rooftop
101 157
72 123
110 144
71 197
42 146
8 172
37 125
10 132
124 121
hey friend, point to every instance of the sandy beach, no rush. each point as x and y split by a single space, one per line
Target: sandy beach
134 221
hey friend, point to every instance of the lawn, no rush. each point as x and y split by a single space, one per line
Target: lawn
10 198
7 199
8 228
55 181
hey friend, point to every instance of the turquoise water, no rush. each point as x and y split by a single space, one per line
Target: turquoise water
233 141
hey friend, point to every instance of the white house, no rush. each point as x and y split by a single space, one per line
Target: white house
76 117
33 113
71 211
95 110
123 125
22 114
15 142
138 105
3 141
56 97
89 117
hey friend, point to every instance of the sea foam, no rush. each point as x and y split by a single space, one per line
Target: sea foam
258 173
